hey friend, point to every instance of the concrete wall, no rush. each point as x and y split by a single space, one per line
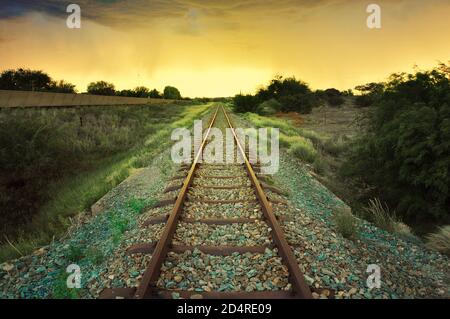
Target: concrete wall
44 99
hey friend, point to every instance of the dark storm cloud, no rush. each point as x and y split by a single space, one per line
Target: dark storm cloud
125 13
122 11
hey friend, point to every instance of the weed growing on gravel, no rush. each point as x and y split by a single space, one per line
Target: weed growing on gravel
382 217
346 223
440 240
74 253
137 205
118 226
95 255
303 149
60 289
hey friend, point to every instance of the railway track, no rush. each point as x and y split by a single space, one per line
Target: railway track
223 227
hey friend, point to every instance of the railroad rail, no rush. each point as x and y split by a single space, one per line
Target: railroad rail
148 287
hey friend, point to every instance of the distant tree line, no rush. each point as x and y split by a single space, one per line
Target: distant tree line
36 80
29 80
287 95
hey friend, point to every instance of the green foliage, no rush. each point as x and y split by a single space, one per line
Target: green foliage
370 93
319 165
31 80
154 94
137 205
405 152
381 216
302 103
101 88
440 240
245 103
269 107
52 168
25 80
335 145
60 289
62 87
303 149
331 96
171 93
284 94
95 255
346 223
74 253
118 225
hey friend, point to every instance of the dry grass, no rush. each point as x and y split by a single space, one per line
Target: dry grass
383 218
346 223
440 240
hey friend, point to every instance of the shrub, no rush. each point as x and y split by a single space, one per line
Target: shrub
74 253
95 255
101 88
245 103
171 93
364 101
269 107
60 289
404 153
302 103
346 223
303 149
335 145
335 101
319 166
440 240
382 217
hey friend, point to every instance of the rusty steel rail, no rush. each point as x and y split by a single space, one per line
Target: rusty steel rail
296 277
151 275
147 287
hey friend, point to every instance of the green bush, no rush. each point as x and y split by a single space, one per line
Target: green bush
303 149
319 166
245 103
404 154
302 103
440 240
346 223
74 253
269 107
382 217
335 145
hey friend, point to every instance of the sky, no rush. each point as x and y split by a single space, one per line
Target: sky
221 48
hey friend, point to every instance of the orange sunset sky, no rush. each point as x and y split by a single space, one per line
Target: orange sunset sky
220 48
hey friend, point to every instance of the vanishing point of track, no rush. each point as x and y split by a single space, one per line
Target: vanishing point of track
148 284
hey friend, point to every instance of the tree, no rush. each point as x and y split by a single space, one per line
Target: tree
154 94
370 92
245 103
62 87
25 80
302 103
334 97
280 87
404 154
172 93
101 88
141 91
126 93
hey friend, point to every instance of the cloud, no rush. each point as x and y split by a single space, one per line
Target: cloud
138 12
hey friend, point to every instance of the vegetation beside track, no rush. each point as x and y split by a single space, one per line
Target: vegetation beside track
57 162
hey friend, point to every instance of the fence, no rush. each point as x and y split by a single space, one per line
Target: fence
45 99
